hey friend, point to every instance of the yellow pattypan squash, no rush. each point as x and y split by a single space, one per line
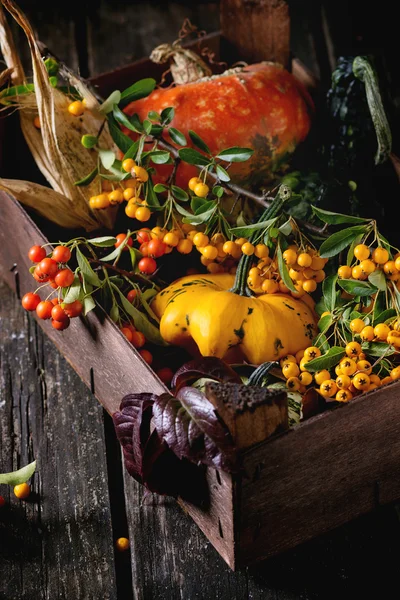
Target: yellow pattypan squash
199 312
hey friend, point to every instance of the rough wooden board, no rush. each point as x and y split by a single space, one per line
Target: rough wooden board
59 544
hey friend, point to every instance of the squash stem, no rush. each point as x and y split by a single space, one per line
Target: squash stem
240 286
364 71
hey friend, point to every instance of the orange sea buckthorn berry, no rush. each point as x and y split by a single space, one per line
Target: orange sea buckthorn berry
344 272
147 356
293 384
193 182
102 201
214 268
128 193
205 261
380 255
357 325
201 190
306 378
240 241
386 380
22 490
353 349
358 273
343 395
261 251
210 252
322 376
328 388
76 108
92 202
361 251
381 331
393 338
270 286
361 381
312 352
290 369
138 340
367 334
304 260
130 209
309 286
116 197
122 544
229 247
338 371
367 266
320 276
200 240
127 333
299 355
283 288
141 174
36 122
248 249
287 358
317 263
364 366
128 164
390 268
375 379
343 382
348 366
165 374
142 214
395 373
295 274
397 263
290 256
158 232
185 246
299 293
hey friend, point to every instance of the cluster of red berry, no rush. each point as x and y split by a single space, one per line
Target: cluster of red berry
51 270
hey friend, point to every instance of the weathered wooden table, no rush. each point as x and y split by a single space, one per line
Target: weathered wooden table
60 543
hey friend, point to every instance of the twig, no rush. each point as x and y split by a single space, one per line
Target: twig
130 274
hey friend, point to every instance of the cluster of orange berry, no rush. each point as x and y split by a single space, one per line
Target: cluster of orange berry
306 270
383 332
368 262
353 375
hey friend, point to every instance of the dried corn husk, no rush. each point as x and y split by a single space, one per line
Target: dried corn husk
57 147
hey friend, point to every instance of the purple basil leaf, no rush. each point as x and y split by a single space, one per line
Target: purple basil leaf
206 366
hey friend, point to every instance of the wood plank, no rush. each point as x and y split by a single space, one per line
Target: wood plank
59 543
257 30
324 473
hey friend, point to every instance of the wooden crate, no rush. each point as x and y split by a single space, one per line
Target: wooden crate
295 486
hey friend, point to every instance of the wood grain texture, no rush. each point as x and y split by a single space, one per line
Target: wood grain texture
50 545
256 30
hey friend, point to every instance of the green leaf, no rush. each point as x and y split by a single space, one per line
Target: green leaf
144 300
321 342
131 153
20 476
378 279
222 173
396 297
192 157
335 218
154 116
386 315
177 136
324 323
328 360
340 240
140 321
236 154
160 187
107 158
147 125
123 119
114 313
136 123
203 217
249 229
149 194
74 291
88 305
357 288
17 90
123 142
329 292
286 228
138 90
88 179
103 242
133 255
108 105
158 157
179 193
350 252
199 142
218 191
377 349
87 272
167 115
89 141
52 67
283 270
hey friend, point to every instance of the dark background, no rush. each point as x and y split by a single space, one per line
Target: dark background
60 545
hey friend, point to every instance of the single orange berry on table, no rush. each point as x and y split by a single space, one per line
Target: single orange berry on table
200 240
322 376
312 352
64 278
165 374
92 202
30 301
290 256
43 309
344 272
309 286
304 260
293 384
36 254
76 108
328 388
361 251
380 255
143 214
201 190
247 249
367 334
353 349
61 254
22 490
193 182
101 201
36 122
348 366
343 395
343 382
138 340
357 325
361 381
116 197
147 356
381 331
122 544
128 164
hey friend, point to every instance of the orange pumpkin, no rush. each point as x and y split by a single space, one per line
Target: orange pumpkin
261 106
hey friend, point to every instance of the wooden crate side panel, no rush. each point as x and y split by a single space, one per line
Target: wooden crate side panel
94 346
320 475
